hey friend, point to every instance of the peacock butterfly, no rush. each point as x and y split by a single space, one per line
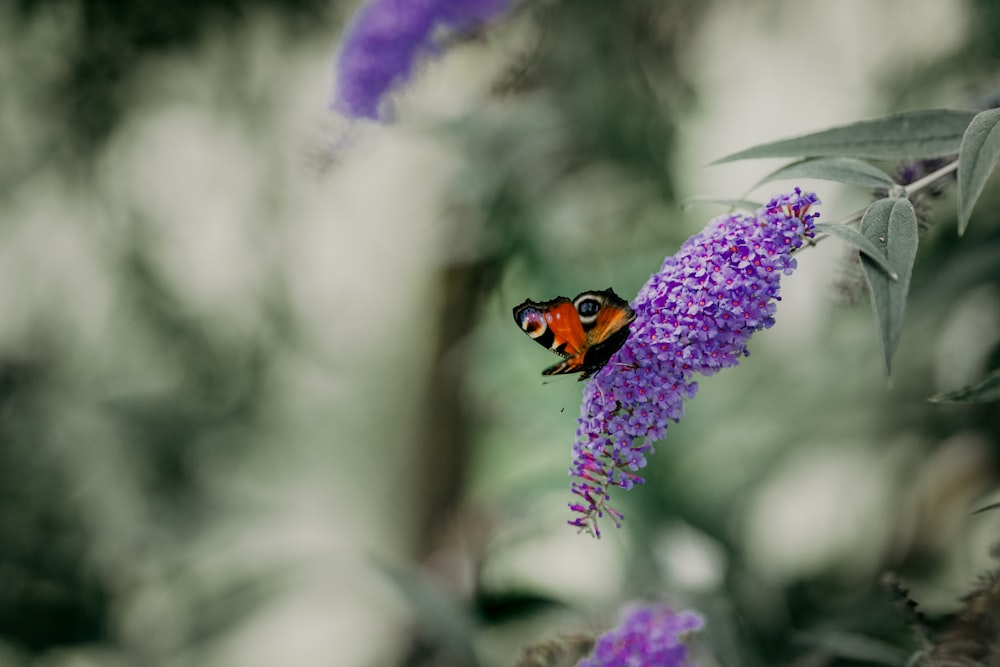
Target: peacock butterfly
585 331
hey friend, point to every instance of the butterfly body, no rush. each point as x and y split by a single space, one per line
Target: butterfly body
584 331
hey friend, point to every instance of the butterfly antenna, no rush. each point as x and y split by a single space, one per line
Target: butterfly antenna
600 390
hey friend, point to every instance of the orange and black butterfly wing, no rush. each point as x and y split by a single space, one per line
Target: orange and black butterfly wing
556 326
605 318
602 314
585 331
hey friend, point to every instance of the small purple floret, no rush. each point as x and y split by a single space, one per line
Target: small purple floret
695 316
647 635
386 39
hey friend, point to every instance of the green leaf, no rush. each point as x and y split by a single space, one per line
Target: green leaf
891 225
990 507
837 169
976 160
985 391
859 241
909 135
744 204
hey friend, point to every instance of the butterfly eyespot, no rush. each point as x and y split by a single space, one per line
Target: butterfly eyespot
588 307
532 321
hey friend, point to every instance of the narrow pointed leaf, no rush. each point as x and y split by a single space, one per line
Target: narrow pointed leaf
976 160
859 241
744 204
985 391
991 506
909 135
837 169
891 225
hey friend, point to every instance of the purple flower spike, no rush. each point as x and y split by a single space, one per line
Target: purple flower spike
385 40
695 316
647 635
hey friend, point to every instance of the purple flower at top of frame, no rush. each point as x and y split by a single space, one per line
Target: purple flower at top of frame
695 316
647 635
385 40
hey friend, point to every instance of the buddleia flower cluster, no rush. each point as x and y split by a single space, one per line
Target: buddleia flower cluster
387 38
694 317
647 635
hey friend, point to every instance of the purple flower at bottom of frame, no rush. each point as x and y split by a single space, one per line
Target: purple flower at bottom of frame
385 40
647 635
695 316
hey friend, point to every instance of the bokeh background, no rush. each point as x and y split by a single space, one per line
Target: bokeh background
262 401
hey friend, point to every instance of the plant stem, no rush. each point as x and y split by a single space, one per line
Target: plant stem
907 191
917 186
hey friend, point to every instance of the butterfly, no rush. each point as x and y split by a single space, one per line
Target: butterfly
585 331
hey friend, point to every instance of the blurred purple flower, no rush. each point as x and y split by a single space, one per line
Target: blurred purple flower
695 316
385 40
647 635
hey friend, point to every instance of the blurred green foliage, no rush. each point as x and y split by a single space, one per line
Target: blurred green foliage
112 38
129 466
